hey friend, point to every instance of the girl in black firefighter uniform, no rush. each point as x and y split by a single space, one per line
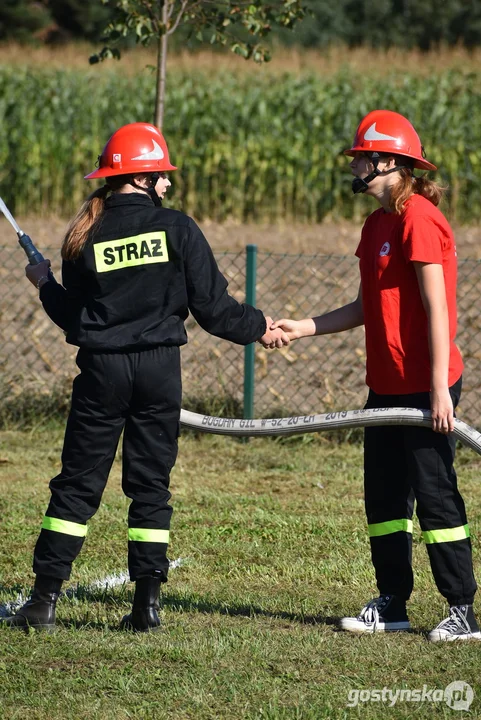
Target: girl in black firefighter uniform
131 271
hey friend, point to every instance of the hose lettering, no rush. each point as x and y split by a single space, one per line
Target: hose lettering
218 422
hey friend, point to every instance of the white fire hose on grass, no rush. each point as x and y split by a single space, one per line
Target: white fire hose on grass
344 419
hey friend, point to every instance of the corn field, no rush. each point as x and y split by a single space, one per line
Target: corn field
248 148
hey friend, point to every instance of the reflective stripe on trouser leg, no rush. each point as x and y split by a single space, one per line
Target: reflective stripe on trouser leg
150 546
390 526
64 526
450 550
451 563
392 539
148 553
446 534
149 535
58 544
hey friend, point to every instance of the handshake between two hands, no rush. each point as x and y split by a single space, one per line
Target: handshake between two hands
278 333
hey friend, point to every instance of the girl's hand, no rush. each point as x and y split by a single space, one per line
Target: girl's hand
273 338
38 274
292 328
442 411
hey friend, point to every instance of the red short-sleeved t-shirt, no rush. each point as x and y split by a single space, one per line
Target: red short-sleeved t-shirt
397 348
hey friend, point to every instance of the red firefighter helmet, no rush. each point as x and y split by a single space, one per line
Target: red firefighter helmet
384 131
133 148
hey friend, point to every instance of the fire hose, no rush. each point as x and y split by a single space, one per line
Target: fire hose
344 419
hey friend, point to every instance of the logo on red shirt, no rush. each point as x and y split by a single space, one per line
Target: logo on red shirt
385 250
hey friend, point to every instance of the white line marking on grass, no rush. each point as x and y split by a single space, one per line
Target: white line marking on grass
177 563
110 581
9 608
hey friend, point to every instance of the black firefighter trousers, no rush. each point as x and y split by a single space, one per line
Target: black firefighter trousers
140 393
403 463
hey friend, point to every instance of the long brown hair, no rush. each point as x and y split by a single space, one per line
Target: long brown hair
87 218
409 185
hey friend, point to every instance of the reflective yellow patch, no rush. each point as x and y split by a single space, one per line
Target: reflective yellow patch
142 249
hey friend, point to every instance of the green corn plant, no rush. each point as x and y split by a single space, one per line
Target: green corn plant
248 148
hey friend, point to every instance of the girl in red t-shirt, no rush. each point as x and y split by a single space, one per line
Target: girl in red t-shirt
407 303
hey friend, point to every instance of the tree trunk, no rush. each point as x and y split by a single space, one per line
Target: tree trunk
161 69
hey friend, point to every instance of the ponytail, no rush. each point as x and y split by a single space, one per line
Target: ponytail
88 218
83 223
410 185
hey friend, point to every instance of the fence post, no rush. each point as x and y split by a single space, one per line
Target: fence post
249 351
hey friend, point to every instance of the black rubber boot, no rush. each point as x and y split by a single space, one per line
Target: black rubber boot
144 617
39 611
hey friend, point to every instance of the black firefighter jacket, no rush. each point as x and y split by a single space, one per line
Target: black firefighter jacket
141 272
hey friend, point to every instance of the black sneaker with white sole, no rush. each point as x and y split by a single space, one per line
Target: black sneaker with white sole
386 613
460 625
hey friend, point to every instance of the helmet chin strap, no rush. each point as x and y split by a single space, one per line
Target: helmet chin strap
151 192
154 177
360 185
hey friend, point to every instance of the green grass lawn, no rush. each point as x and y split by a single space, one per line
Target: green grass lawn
274 546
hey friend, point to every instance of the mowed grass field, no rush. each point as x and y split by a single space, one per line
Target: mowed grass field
274 548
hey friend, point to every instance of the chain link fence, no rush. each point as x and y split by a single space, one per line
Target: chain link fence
311 376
